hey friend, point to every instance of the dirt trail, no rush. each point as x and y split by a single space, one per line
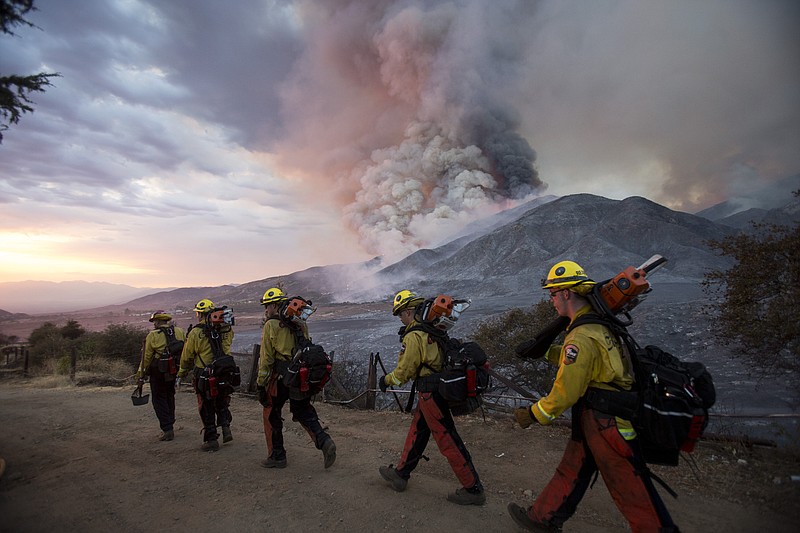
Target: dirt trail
85 459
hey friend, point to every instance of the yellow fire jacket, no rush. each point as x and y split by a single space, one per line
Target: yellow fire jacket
278 343
154 345
419 353
197 351
590 357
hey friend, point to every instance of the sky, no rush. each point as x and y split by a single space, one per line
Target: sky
200 143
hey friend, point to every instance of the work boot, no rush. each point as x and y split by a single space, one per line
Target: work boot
465 497
389 473
167 435
227 436
523 520
210 446
329 452
271 462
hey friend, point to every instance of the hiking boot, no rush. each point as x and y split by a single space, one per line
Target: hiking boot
271 462
167 435
227 436
329 452
465 497
524 521
389 473
210 446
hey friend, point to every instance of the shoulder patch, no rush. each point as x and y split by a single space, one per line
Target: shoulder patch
570 354
402 348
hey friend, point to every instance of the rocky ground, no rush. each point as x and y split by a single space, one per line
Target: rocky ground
85 459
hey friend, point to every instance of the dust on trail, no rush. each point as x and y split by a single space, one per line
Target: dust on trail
85 459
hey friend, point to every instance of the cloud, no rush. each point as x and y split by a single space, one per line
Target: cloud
668 101
358 128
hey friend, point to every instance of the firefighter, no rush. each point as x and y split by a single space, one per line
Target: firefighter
162 384
421 356
591 357
278 346
204 343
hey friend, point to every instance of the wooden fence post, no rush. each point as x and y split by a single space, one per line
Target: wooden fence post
25 368
73 361
372 382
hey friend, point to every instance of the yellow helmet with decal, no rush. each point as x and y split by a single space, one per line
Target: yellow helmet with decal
204 306
160 316
405 299
273 295
566 274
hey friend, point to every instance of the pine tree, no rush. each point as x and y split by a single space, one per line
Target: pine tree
15 89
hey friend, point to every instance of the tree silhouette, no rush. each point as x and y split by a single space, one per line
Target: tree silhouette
72 330
15 89
758 299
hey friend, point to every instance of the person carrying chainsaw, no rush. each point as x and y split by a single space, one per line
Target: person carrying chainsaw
421 356
205 342
162 384
279 345
590 358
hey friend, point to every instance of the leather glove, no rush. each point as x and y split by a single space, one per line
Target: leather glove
382 383
263 397
523 416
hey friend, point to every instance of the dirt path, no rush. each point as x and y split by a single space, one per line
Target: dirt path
85 459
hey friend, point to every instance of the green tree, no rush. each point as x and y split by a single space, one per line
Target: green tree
500 335
47 342
15 89
120 341
756 300
72 330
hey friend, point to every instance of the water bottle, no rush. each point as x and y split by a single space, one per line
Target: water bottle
212 387
303 379
471 381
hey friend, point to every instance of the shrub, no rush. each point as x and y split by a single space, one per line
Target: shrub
120 341
63 364
500 335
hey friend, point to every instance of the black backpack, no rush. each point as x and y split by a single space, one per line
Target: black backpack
310 368
222 375
669 403
169 360
464 376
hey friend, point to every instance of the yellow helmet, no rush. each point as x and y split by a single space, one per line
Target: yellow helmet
204 306
405 299
161 316
564 275
273 295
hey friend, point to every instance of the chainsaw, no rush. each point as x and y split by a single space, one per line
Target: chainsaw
613 299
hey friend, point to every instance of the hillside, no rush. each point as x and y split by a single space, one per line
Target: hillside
94 465
55 297
507 255
603 235
497 255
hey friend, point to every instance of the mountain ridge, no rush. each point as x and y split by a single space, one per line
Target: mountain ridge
502 254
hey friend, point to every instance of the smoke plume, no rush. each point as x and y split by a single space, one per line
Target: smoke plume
400 106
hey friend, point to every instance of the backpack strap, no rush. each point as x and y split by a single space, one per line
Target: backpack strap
169 334
621 333
214 340
439 336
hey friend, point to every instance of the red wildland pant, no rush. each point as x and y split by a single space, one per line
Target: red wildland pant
432 417
601 447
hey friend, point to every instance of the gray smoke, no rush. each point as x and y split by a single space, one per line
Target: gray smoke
423 135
